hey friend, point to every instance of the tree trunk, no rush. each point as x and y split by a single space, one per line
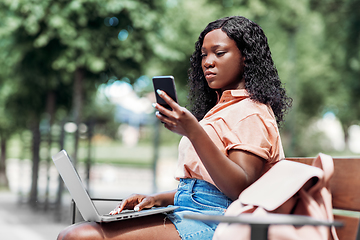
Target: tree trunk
4 183
50 109
156 146
77 107
89 151
36 160
58 204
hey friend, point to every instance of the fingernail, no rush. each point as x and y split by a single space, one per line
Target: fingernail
154 104
136 208
159 92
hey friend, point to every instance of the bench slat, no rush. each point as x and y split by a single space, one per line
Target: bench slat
345 190
349 230
345 183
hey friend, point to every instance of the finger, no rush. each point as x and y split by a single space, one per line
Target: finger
163 110
165 113
145 203
167 99
164 119
122 205
115 211
170 127
129 203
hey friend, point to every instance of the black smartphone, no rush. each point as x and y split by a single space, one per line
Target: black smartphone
166 84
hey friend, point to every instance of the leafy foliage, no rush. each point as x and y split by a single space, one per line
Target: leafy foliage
315 45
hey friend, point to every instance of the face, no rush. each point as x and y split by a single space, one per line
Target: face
222 62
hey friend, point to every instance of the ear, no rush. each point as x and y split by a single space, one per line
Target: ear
243 60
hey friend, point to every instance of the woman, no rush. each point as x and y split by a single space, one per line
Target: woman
230 139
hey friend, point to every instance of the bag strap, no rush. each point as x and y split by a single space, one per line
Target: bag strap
326 163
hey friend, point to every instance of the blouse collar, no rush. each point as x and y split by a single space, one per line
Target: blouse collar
232 94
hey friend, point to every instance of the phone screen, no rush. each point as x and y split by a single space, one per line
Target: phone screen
166 84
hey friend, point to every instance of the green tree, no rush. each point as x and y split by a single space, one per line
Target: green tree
308 53
63 45
342 30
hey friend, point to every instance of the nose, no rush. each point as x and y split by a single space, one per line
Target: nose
208 62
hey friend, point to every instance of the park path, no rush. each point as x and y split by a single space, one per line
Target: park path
18 221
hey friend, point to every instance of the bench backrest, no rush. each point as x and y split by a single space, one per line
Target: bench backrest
345 190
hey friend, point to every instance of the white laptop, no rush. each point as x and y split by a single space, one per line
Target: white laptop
82 199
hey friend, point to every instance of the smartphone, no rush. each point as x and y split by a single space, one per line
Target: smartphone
166 84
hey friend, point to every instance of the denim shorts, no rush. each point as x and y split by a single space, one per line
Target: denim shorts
196 196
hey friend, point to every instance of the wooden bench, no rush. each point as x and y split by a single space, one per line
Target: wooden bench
345 189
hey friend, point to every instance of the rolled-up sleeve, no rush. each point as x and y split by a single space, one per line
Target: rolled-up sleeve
252 134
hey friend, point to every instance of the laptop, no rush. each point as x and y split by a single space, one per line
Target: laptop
82 199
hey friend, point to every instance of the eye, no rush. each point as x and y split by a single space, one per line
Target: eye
203 55
219 54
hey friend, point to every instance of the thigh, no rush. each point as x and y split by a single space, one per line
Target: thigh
151 227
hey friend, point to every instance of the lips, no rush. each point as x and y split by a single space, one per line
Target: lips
209 74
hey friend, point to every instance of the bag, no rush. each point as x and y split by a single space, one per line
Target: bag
289 188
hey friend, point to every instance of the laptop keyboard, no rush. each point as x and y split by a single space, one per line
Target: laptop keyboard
122 212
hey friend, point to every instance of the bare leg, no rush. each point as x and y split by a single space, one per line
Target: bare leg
151 227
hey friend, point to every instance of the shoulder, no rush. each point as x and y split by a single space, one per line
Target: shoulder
250 108
235 106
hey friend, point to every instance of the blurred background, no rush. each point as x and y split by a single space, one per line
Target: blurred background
76 75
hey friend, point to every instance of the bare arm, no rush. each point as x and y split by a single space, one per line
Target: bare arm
233 173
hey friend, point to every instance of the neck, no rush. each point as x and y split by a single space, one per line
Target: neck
240 85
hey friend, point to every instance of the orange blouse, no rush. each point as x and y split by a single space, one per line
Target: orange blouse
235 122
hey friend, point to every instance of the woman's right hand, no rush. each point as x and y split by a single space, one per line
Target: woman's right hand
136 202
178 120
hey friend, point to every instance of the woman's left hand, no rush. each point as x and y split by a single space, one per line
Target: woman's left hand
179 120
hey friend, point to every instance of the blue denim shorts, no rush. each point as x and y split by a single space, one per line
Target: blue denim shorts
196 196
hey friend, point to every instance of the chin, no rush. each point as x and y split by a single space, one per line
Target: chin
212 85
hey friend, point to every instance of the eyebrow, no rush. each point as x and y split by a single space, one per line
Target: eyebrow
215 46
